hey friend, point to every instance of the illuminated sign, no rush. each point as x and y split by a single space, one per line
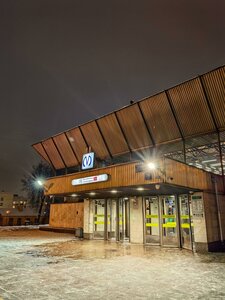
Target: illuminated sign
88 161
90 179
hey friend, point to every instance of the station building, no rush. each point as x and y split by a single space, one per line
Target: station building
151 172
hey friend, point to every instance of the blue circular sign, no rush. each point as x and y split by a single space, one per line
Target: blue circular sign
88 161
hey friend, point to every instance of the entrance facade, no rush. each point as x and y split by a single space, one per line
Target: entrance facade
152 211
168 221
142 151
111 219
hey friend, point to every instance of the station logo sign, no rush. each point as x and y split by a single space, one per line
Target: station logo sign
88 161
90 179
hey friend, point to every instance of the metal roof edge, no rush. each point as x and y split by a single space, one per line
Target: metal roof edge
129 105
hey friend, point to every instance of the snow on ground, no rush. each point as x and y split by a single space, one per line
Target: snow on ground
46 265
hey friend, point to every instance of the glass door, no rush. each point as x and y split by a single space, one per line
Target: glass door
118 211
123 210
111 219
185 222
152 230
99 219
169 218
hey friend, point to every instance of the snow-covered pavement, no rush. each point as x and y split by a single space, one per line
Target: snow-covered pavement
45 265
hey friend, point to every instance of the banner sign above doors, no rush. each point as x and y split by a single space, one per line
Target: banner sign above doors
90 179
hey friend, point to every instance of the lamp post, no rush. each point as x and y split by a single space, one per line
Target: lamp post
41 185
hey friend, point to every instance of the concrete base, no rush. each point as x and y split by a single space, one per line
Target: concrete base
88 236
201 247
57 229
217 246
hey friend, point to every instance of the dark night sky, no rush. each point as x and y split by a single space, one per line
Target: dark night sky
65 62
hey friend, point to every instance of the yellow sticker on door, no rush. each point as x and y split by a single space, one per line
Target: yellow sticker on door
170 225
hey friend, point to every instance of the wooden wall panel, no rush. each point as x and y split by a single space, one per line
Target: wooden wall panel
192 177
172 172
191 108
65 150
94 139
53 154
211 217
215 88
67 215
113 134
39 148
159 118
120 176
77 142
134 127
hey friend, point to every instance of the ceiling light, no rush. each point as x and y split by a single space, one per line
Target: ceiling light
157 186
114 191
74 195
208 169
198 166
92 193
140 189
207 161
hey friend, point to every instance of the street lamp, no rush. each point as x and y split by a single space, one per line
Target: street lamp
151 166
41 184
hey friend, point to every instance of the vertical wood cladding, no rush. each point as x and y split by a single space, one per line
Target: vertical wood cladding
67 215
125 175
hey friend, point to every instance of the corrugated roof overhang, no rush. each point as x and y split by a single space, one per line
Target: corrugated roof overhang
191 109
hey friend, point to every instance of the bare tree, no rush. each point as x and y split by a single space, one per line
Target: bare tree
35 192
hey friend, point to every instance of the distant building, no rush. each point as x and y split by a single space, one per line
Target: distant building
15 210
19 202
6 199
10 200
15 217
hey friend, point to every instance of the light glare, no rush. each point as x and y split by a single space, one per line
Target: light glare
151 166
40 182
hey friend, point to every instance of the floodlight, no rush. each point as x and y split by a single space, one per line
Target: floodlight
151 166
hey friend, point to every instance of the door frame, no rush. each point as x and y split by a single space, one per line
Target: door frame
145 220
95 219
190 223
124 210
177 218
178 221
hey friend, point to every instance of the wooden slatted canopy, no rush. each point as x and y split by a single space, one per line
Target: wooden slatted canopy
190 109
